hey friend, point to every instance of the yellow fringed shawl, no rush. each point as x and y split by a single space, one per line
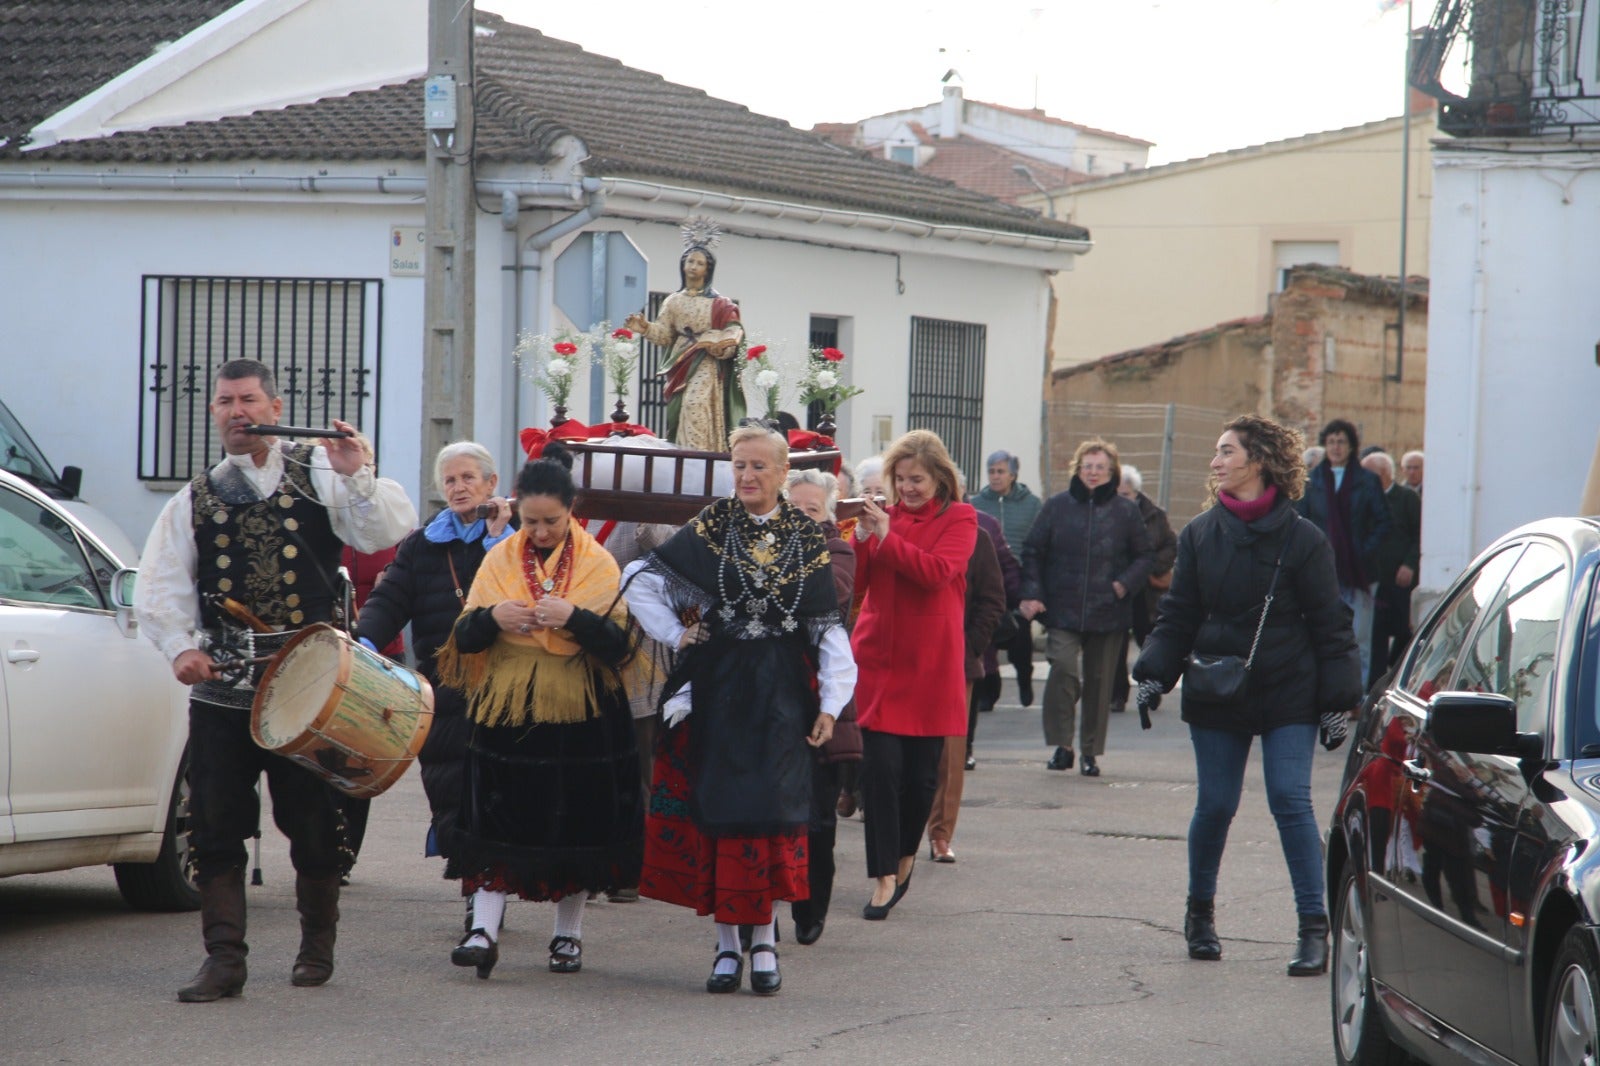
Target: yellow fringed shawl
538 677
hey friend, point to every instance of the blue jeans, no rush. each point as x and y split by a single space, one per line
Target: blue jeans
1220 756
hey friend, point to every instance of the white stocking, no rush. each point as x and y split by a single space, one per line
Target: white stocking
488 911
569 918
728 940
763 934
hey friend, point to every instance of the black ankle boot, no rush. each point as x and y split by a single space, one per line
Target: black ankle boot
1200 929
1311 956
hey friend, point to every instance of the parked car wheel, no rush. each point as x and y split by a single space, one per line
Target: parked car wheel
1572 1035
1359 1037
167 884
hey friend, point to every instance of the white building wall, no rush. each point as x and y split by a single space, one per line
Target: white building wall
1513 383
70 363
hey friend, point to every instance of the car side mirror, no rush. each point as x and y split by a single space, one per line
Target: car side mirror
71 480
124 584
1483 723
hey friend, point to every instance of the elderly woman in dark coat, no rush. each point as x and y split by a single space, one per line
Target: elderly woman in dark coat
1084 560
426 586
1305 670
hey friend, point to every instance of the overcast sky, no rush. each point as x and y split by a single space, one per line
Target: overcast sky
1194 76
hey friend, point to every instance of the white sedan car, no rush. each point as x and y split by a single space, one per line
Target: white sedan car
93 726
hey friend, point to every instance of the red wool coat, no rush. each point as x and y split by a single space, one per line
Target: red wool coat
909 640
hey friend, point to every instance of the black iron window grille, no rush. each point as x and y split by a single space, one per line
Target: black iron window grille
947 365
652 404
1511 68
321 337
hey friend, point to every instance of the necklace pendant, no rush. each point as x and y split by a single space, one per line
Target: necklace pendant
547 584
789 624
770 538
727 612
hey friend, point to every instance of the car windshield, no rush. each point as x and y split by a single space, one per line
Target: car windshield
20 456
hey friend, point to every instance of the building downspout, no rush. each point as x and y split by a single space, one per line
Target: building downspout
519 257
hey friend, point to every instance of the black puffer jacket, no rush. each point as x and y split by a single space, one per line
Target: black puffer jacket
1081 542
418 588
1307 662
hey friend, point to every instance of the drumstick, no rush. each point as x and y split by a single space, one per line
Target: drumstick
243 614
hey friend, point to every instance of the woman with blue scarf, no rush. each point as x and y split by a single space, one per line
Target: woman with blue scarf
427 586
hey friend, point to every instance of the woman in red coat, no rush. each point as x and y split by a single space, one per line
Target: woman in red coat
910 650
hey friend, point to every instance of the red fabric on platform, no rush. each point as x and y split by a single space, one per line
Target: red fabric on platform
534 439
734 879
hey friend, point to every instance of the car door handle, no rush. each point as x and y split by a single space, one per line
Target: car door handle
22 655
1415 771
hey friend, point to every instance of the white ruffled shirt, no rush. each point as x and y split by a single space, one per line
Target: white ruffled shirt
647 600
367 512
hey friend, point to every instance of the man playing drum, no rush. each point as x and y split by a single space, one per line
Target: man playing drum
257 537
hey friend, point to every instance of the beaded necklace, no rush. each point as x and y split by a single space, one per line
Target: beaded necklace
760 581
544 583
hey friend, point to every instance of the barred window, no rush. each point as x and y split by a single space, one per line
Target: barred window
652 401
947 366
320 336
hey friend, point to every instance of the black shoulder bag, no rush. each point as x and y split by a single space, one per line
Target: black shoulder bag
1222 678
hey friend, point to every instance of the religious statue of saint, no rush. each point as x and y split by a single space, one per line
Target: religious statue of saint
702 330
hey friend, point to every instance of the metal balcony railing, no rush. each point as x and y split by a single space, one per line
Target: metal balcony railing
1512 68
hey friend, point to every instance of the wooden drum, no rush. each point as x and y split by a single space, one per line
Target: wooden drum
346 713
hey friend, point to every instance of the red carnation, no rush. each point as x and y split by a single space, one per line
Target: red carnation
623 334
833 355
757 352
566 348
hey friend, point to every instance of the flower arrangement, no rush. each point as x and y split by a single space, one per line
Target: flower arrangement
759 374
619 355
552 363
822 381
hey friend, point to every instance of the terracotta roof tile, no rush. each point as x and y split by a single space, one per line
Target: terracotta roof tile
532 89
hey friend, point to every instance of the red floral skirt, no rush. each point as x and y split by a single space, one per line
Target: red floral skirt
736 879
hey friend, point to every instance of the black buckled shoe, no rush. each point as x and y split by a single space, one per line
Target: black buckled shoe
765 982
726 982
473 955
1089 768
1061 760
566 962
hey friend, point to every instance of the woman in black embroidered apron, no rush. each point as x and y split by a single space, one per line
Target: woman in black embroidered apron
746 592
1255 582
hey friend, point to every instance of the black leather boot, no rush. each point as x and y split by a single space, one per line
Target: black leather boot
1311 956
1200 929
317 899
222 928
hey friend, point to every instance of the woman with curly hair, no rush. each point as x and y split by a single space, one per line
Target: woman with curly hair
1255 581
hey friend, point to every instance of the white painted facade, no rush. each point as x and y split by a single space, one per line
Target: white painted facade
73 350
1513 382
71 359
1061 144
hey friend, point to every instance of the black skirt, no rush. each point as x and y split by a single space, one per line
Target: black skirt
549 810
749 763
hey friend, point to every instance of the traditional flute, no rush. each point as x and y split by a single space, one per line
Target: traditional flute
261 430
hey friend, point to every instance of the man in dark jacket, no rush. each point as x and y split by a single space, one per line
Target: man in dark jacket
1085 558
1398 558
1346 503
1014 506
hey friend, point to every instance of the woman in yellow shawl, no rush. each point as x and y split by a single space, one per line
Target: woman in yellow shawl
551 808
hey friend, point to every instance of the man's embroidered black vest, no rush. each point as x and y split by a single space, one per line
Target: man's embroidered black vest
276 556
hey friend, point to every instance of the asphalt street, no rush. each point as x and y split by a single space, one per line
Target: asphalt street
1055 937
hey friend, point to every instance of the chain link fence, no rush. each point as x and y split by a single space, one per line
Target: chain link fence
1170 443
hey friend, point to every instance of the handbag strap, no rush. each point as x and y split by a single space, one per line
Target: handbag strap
1272 588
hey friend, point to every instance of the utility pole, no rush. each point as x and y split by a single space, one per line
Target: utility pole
450 276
